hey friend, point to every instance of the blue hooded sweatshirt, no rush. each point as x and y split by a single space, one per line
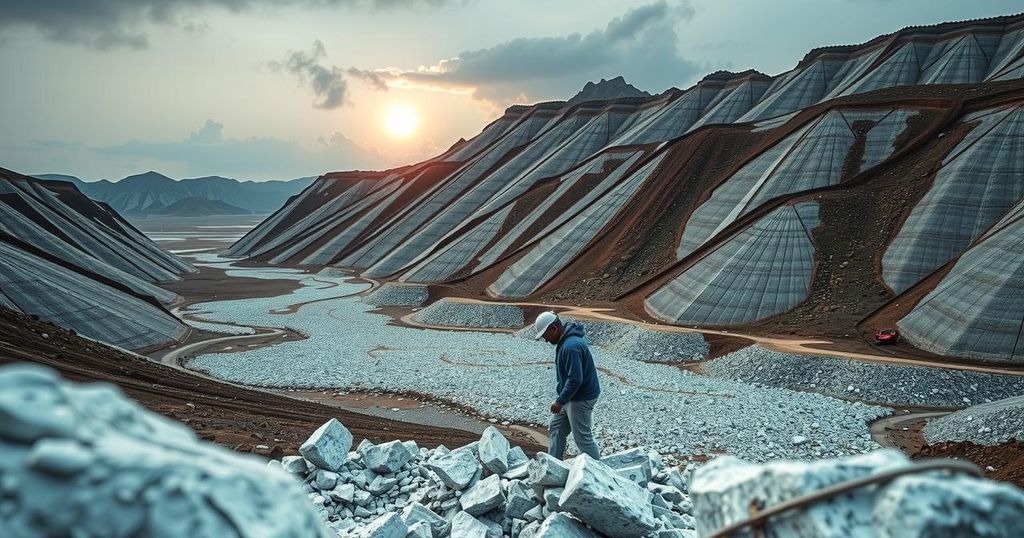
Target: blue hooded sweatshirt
574 367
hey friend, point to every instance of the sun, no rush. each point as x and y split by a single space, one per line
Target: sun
401 121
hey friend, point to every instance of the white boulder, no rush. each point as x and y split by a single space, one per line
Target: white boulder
483 496
467 526
606 501
328 447
562 526
82 460
456 469
389 525
386 457
546 470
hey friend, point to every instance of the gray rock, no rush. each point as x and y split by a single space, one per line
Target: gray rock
669 493
387 457
295 465
518 500
530 529
328 447
545 470
677 533
494 450
362 497
343 493
921 506
325 480
606 501
456 469
534 514
381 485
386 526
562 526
628 458
420 530
670 518
21 420
82 460
638 474
517 457
61 458
494 529
466 526
551 496
518 472
483 497
911 506
416 513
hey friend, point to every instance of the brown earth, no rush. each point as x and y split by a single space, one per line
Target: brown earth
236 417
1006 460
213 284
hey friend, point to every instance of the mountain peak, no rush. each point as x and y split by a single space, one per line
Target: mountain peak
607 89
150 177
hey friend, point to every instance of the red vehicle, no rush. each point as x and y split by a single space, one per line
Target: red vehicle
887 336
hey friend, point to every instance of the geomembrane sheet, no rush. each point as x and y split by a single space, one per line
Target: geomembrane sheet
68 299
977 310
811 157
763 270
980 179
558 248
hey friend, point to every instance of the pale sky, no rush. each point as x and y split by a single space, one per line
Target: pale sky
279 89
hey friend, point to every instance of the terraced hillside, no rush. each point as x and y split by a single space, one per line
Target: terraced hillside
871 185
76 263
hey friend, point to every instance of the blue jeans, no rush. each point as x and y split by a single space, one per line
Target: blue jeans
576 417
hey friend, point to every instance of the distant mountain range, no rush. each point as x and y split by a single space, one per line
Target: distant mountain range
153 193
615 88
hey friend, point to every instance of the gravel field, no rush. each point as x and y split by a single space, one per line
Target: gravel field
485 316
510 378
390 294
988 424
892 383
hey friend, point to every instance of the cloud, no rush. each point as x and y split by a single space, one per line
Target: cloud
108 24
328 83
640 44
378 81
207 152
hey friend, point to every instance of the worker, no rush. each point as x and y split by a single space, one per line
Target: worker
576 384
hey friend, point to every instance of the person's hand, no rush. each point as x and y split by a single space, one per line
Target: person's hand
556 407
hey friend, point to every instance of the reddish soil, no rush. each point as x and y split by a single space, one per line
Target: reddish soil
236 417
1006 460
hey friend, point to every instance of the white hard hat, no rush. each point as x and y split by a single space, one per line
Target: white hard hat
544 320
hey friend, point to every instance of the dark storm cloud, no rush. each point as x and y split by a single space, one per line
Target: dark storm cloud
107 24
328 83
640 44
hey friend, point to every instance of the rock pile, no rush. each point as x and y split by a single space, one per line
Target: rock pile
891 383
391 294
985 424
486 489
477 315
645 344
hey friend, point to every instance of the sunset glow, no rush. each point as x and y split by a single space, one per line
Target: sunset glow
401 121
